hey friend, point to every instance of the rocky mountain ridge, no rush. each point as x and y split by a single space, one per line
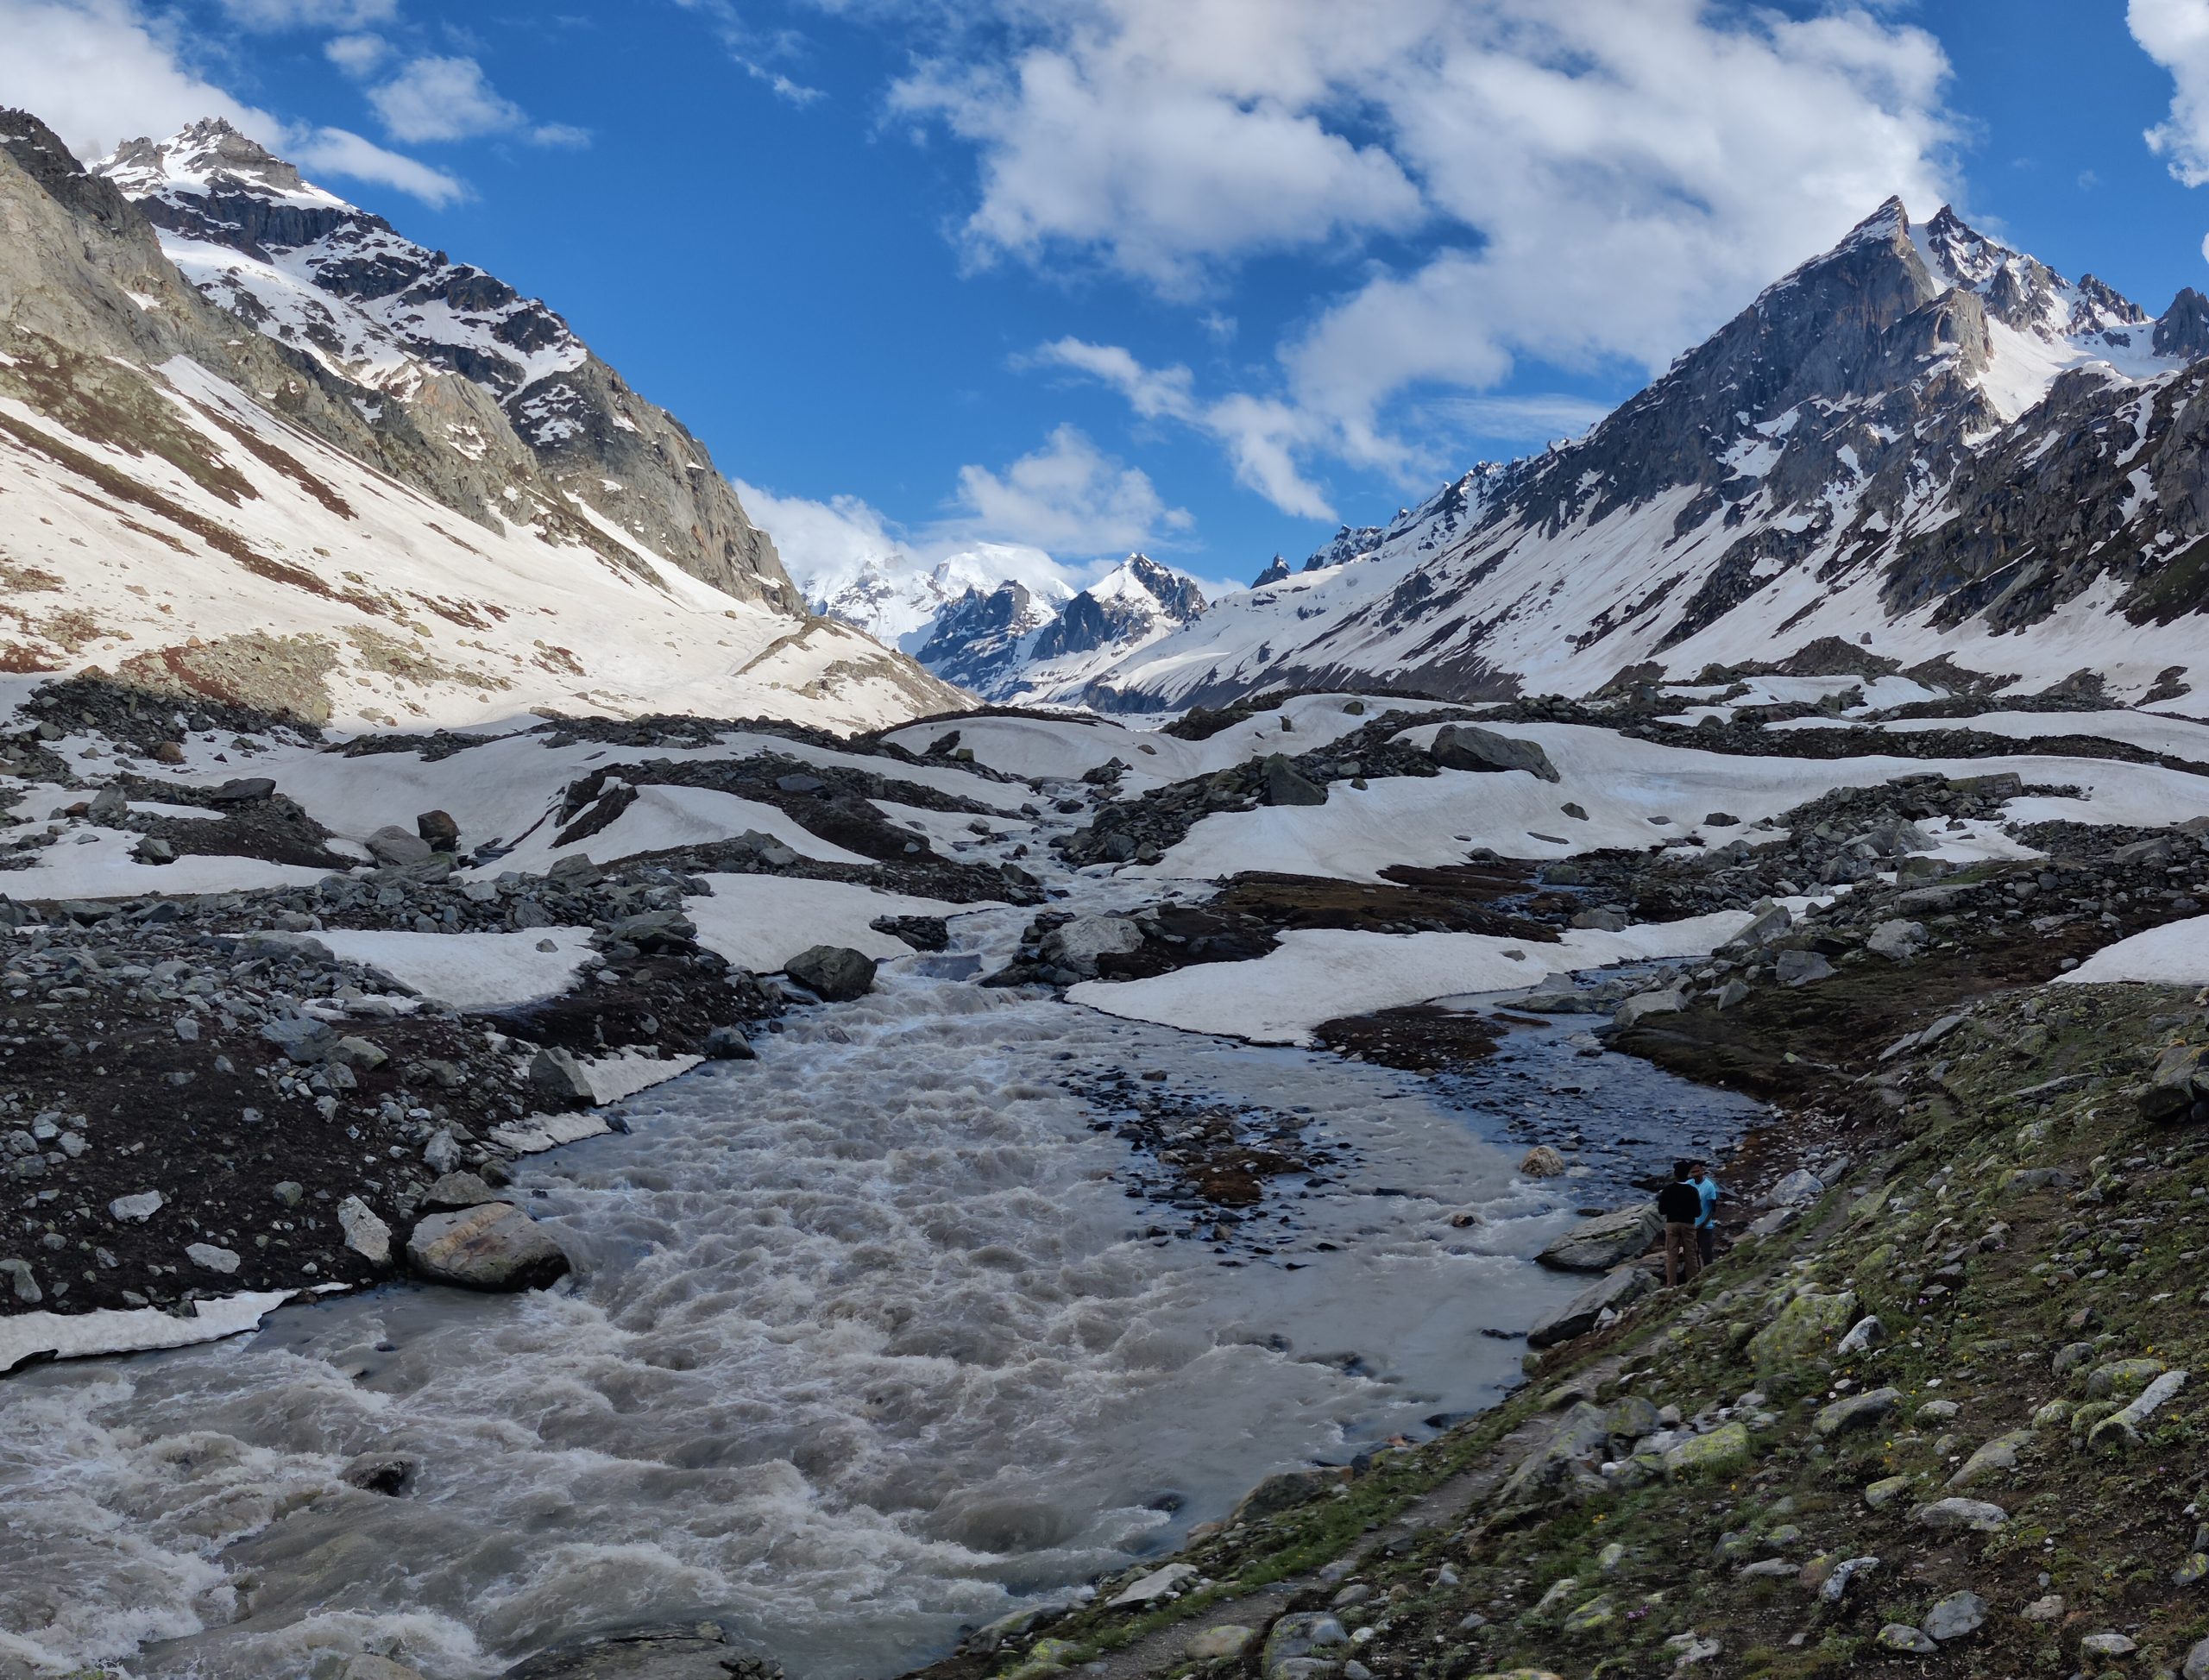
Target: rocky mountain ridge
222 517
1920 442
310 270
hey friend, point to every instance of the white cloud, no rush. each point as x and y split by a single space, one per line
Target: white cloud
341 151
444 99
1067 496
275 14
2175 34
102 71
98 71
1589 182
357 55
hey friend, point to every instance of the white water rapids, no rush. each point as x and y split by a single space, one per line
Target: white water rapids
867 1341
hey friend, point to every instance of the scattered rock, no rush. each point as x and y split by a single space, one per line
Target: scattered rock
365 1235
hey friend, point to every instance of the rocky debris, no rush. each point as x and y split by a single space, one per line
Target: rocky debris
494 1246
834 973
1605 1241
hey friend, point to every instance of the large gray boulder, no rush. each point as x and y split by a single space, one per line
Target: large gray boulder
1600 1243
1287 785
391 844
834 973
1614 1293
1467 747
1080 942
495 1247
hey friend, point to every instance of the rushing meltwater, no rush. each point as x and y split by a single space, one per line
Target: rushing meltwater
868 1341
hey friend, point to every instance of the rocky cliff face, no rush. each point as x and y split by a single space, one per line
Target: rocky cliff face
316 273
1919 441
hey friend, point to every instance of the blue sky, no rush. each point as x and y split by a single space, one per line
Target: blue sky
1201 276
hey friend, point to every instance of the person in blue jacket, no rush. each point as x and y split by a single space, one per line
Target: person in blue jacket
1706 1228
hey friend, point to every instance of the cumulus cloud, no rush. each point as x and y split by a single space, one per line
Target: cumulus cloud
827 544
2175 34
1582 184
102 70
357 54
341 151
1069 496
436 98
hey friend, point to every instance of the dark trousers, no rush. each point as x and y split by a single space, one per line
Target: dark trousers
1682 1258
1706 1240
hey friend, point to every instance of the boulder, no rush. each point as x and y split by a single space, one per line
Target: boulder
1798 1187
243 789
1802 968
1159 1583
1999 1454
1643 1004
1896 939
438 830
391 844
494 1247
1975 1514
1542 1162
1900 1636
1805 1328
1080 942
726 1043
1726 1448
384 1473
365 1234
1614 1293
834 973
1467 747
1284 1492
1854 1411
367 1666
558 1077
1223 1642
1287 785
454 1190
1296 1637
153 849
1600 1243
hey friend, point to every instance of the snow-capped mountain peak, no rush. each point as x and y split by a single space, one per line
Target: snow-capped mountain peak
1915 440
492 375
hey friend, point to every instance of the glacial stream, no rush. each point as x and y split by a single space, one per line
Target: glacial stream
869 1341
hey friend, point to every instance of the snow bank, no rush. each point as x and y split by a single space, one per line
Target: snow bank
627 1071
761 922
468 971
99 863
1319 973
1064 747
2174 954
117 1330
1637 794
661 818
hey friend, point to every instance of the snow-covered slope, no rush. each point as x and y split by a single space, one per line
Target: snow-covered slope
211 514
324 277
1921 445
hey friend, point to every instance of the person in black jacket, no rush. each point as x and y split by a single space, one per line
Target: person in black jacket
1681 1204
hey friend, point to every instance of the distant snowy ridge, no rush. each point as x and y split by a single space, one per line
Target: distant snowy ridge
1921 445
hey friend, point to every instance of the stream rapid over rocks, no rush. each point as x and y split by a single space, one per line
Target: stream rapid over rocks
870 1340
